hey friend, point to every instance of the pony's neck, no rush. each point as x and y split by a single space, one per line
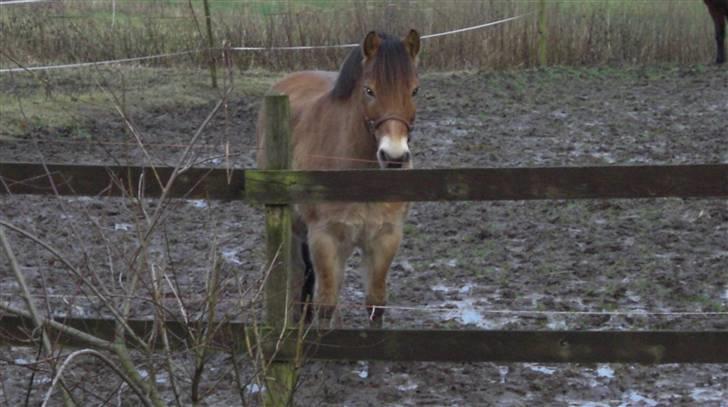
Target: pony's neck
356 145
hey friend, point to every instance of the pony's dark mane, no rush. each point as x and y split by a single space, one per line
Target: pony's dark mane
391 65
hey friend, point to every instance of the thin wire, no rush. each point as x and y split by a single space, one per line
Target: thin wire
294 47
11 2
286 48
432 309
110 143
530 312
333 157
476 27
353 45
109 62
165 145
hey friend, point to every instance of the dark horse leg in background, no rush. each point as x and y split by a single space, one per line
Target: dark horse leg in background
309 281
719 11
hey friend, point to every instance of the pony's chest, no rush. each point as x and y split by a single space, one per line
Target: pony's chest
356 222
375 215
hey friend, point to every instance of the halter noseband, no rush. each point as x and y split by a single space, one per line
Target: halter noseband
373 125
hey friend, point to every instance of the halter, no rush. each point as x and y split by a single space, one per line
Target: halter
373 125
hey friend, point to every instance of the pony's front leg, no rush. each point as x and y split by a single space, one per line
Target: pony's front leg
328 253
378 255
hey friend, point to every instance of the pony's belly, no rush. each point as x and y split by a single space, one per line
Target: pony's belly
357 223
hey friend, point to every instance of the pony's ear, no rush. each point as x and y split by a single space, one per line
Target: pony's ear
412 43
371 44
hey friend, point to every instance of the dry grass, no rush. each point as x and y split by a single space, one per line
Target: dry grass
584 32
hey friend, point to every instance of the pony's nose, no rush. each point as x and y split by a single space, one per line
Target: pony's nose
394 162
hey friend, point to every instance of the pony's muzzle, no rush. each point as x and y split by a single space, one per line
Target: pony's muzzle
386 161
393 152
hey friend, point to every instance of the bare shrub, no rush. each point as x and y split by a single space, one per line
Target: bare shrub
579 32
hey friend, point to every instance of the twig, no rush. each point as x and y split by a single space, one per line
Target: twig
78 275
180 167
182 308
206 334
45 341
160 315
108 363
81 336
26 292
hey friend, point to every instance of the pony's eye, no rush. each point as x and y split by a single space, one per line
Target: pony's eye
414 92
369 91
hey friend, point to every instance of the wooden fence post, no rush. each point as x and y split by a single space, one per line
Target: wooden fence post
542 34
280 376
210 44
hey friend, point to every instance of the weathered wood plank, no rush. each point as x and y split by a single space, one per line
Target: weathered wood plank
517 346
646 347
109 180
280 187
483 184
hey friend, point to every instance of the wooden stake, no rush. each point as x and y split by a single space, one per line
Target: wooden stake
280 376
542 33
210 44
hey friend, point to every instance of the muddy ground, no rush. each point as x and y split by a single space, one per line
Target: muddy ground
458 260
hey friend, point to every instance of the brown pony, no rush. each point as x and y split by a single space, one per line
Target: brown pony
360 117
719 11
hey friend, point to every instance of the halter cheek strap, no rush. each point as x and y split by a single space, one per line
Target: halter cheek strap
373 125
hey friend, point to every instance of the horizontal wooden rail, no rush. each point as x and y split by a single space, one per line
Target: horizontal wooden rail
280 187
435 345
485 184
109 180
648 347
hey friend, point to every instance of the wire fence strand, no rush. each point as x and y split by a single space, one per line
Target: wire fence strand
242 48
482 309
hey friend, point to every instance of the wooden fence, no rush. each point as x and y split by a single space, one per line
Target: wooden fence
278 188
282 187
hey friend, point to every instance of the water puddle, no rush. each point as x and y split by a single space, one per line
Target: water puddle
605 371
362 370
231 256
503 371
634 398
467 311
541 369
198 203
123 226
704 395
253 388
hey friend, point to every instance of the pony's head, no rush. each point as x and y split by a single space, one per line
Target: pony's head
382 76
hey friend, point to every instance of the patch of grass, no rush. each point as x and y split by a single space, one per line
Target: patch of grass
67 99
410 230
21 116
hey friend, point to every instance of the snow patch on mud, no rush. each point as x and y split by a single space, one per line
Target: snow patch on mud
704 395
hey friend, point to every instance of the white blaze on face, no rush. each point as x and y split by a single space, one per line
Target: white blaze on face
394 148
